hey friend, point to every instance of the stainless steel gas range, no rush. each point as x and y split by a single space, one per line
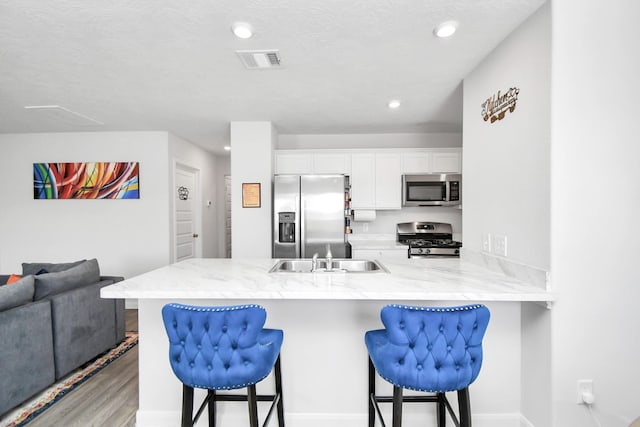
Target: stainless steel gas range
428 239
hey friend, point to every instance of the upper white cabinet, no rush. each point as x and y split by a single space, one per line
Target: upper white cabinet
294 163
363 181
376 180
332 162
388 181
432 160
446 162
312 162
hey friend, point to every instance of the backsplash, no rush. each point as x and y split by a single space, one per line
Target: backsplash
385 222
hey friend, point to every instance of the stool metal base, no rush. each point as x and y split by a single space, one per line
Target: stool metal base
464 407
251 398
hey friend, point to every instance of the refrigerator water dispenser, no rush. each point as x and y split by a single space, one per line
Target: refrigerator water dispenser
286 227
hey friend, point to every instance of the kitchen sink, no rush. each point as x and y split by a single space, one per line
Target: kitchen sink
304 265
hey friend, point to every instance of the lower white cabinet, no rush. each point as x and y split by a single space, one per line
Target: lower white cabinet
381 254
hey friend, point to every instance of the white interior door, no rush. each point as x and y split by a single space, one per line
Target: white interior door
185 202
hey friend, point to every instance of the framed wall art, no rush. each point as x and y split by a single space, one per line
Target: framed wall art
99 180
251 195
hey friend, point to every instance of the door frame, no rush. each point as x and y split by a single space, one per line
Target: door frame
197 207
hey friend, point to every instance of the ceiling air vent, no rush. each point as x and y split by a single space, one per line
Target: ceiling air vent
259 59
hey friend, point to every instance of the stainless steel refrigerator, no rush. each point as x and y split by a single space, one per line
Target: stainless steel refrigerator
308 215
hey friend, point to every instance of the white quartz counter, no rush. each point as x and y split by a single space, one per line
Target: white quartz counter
450 279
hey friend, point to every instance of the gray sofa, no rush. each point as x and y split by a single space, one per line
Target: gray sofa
52 321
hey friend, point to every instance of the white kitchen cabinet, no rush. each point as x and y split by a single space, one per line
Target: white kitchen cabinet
363 181
416 162
294 163
443 160
388 182
380 254
331 163
446 162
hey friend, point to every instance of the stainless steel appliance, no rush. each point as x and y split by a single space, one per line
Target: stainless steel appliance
428 239
309 214
432 190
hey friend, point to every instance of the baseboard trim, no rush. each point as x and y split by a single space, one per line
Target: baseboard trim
172 418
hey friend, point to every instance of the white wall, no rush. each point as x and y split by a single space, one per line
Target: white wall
205 162
127 237
506 164
596 198
506 172
223 167
382 140
252 145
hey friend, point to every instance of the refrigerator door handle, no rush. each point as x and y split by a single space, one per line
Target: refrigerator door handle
300 248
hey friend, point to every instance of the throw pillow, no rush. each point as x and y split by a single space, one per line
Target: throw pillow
19 293
13 279
53 283
35 267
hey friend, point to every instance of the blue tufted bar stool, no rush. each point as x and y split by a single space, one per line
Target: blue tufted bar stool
427 349
223 348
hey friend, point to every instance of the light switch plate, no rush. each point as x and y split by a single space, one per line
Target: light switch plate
486 242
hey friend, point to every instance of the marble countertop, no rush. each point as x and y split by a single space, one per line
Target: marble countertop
450 279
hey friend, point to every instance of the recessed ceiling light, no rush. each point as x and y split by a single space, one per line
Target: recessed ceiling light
446 29
242 30
393 104
228 148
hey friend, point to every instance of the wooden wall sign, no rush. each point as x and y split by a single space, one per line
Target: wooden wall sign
496 106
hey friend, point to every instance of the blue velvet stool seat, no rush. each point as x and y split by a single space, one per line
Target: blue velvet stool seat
427 349
223 348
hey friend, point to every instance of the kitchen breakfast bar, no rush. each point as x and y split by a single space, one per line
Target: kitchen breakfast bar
324 316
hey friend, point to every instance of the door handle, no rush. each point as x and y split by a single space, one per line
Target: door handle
195 235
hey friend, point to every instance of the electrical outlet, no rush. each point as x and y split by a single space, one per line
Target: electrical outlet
499 245
486 242
585 391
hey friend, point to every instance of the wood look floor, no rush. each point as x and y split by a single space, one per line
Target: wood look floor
108 399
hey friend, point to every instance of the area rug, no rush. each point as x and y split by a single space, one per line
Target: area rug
31 409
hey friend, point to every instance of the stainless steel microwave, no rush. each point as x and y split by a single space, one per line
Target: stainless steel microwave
431 190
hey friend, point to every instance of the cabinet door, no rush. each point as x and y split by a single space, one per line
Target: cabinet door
447 162
331 163
363 181
388 183
415 162
295 163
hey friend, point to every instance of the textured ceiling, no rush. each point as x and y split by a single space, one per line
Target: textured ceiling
171 65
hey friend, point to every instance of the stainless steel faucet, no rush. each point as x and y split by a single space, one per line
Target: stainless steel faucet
329 258
314 262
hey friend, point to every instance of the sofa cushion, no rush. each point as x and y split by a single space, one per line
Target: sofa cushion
83 274
37 267
18 293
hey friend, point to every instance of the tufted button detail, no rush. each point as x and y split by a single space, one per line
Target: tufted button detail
459 327
190 326
192 364
475 325
206 326
419 367
244 326
449 348
234 345
429 347
209 367
457 367
178 359
401 325
411 345
215 347
224 328
226 366
182 343
401 361
473 360
441 328
175 325
437 366
246 362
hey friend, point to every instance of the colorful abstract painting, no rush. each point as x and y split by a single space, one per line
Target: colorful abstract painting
100 180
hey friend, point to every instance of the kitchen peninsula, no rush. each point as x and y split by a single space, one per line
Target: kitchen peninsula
324 317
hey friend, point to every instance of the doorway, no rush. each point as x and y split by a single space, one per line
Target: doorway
186 223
